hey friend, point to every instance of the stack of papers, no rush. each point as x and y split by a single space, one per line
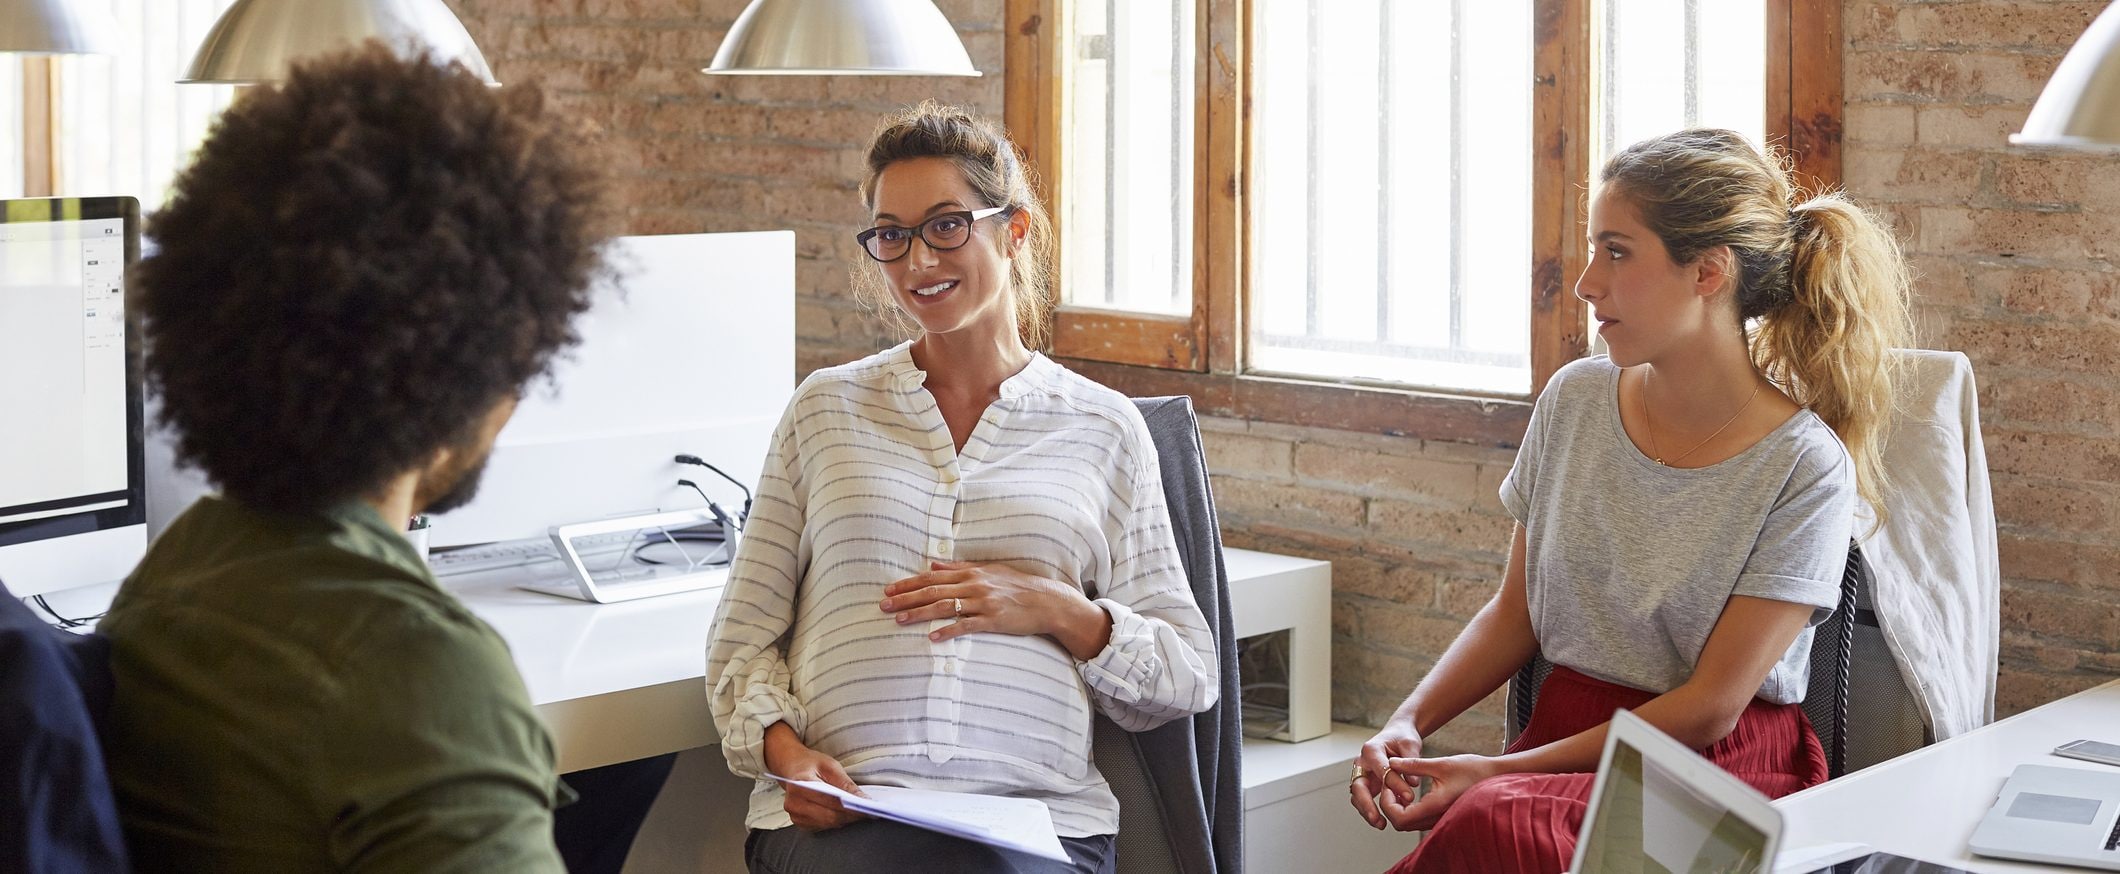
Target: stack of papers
1021 824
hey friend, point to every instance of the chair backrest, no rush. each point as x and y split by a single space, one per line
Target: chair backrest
1825 702
54 688
1181 804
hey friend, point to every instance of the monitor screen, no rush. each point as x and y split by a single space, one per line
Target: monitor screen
70 418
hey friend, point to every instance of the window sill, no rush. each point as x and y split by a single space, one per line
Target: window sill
1479 421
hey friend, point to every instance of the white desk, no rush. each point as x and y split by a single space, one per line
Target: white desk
616 682
1925 804
626 681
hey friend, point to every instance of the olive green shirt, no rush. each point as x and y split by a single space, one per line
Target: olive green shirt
298 694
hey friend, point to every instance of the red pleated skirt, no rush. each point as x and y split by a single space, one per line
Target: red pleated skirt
1528 822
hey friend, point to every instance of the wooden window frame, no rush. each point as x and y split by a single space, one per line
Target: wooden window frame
1201 355
40 126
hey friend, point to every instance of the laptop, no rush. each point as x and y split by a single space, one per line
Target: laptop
1660 808
2068 816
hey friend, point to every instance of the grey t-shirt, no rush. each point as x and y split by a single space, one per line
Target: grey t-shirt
1628 563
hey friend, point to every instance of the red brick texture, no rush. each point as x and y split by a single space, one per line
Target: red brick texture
2016 250
703 153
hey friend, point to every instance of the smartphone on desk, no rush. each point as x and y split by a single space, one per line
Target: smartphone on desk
2090 751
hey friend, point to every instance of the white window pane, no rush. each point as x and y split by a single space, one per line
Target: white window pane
1645 69
1733 67
1402 133
1346 136
11 122
1494 322
1651 47
125 125
1126 228
1281 173
1421 225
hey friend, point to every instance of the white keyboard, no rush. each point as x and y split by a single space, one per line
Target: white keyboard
519 553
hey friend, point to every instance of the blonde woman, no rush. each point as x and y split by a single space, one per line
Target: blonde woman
960 550
1684 504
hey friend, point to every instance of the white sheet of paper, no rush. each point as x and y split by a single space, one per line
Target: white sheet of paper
1021 824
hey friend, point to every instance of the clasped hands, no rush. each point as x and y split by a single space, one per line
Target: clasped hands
1390 766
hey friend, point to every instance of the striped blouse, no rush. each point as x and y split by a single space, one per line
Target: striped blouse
861 488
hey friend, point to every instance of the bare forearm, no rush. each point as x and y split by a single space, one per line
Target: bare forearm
1490 649
1083 628
781 742
1685 714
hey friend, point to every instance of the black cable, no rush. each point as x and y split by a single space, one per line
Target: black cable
64 621
696 460
728 525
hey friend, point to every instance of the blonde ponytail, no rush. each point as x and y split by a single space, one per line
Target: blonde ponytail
1830 346
1822 279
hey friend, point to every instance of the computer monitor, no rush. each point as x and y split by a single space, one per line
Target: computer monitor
688 347
72 468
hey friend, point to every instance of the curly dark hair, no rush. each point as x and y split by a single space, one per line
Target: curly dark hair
358 265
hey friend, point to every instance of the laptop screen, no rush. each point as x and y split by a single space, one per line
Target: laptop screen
1649 821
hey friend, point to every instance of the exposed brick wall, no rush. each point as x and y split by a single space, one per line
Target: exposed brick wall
2016 252
705 153
1414 529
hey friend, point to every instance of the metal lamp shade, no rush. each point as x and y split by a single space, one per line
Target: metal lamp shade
2080 106
258 40
56 27
842 37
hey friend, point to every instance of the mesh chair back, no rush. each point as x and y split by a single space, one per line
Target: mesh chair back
1832 652
1825 702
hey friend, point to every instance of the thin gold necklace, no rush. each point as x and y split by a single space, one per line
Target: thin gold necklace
1649 425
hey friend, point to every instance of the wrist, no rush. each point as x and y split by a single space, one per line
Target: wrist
1086 631
780 742
1406 718
1512 763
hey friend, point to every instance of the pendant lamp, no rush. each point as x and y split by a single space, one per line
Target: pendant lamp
57 27
257 40
2080 105
842 37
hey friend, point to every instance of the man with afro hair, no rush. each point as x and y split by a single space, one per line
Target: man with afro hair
353 282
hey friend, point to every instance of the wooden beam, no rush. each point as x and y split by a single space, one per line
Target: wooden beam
1035 103
1221 241
1497 422
1562 80
40 129
1816 101
1128 338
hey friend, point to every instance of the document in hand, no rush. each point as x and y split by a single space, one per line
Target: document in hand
1021 824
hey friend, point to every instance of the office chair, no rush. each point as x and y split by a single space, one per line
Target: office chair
1826 701
1181 800
55 688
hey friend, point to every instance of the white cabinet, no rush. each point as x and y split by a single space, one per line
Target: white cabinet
1296 816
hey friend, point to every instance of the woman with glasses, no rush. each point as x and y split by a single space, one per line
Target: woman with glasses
959 551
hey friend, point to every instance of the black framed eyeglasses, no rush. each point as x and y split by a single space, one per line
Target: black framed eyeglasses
942 232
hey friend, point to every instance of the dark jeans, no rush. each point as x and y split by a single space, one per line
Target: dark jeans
596 831
882 847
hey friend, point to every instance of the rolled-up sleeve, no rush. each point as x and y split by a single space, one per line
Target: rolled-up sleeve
748 683
1161 662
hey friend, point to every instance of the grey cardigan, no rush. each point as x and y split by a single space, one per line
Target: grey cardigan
1192 765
